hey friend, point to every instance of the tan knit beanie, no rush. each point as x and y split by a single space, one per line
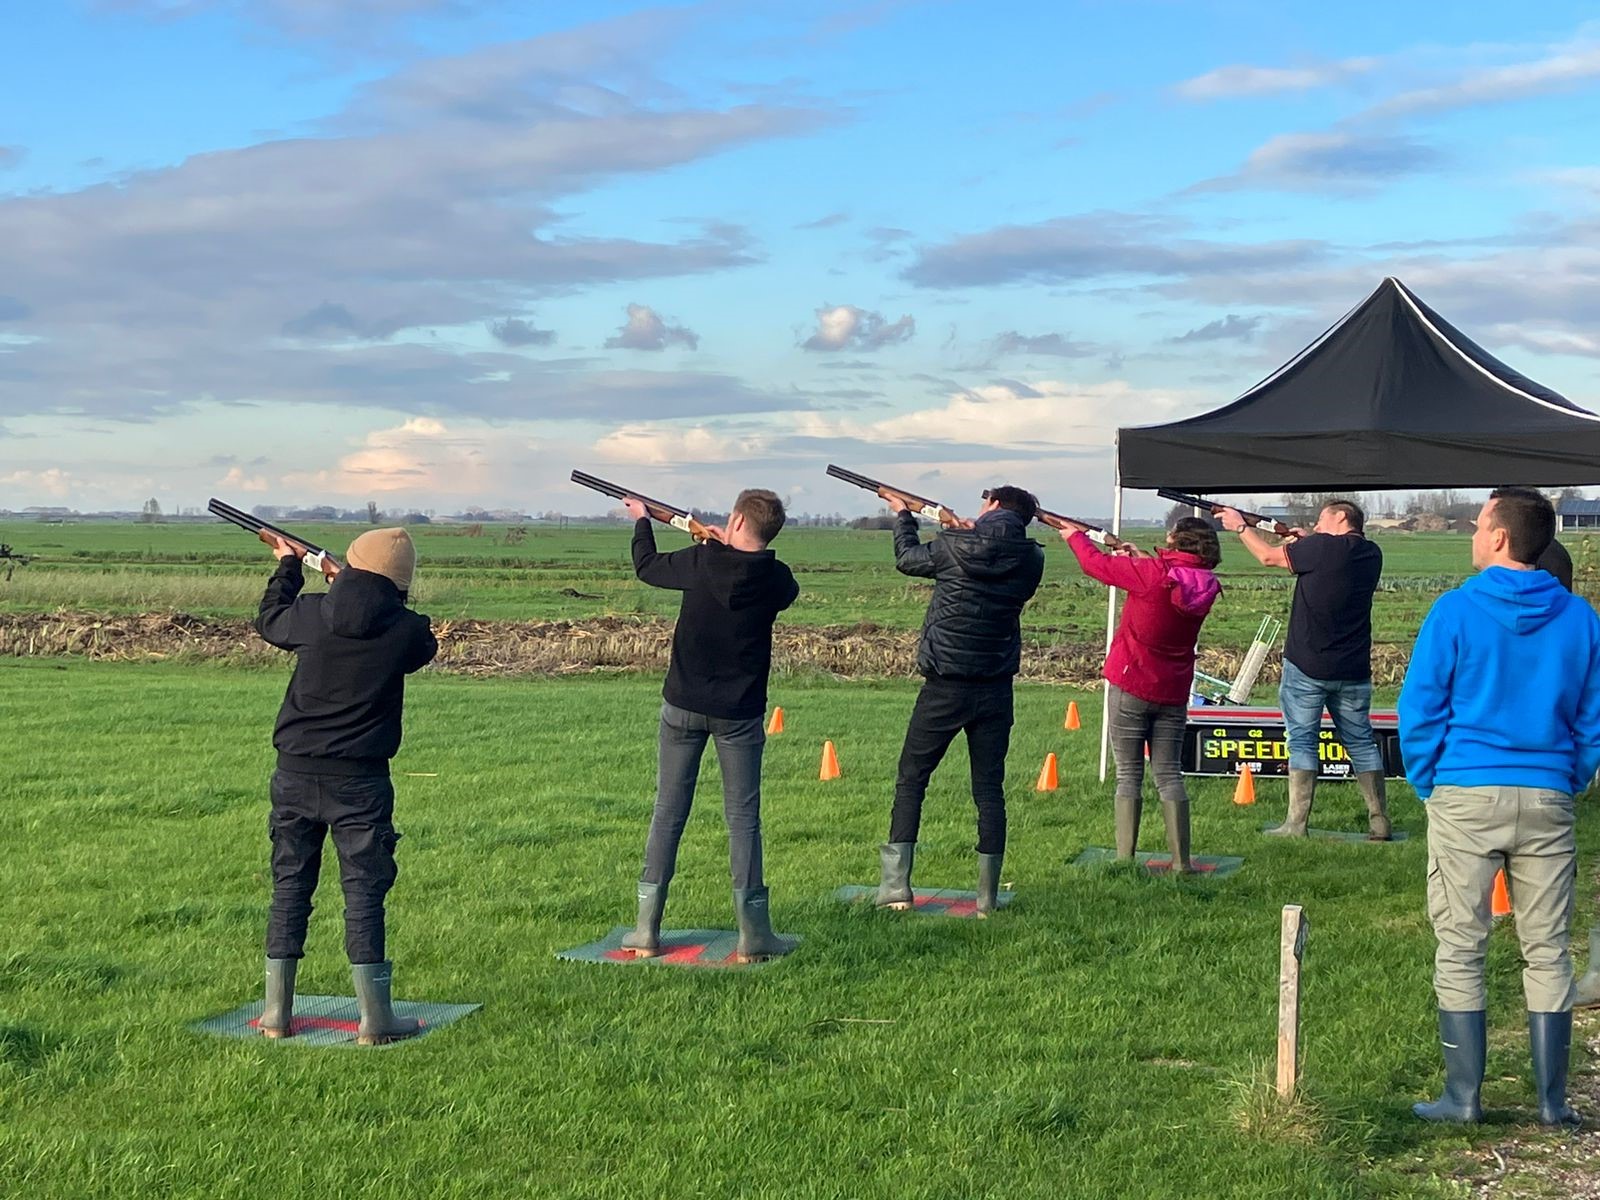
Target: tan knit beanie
387 552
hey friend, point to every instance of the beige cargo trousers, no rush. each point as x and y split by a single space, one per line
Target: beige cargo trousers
1472 833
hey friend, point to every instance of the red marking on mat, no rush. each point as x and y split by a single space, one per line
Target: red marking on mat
960 908
677 954
301 1024
1166 865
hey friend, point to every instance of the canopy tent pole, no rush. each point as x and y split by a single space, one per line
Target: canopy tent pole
1111 604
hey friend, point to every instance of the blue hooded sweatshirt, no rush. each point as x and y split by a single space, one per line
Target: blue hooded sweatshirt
1504 687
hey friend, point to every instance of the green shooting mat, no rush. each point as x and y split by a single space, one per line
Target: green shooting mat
1214 866
329 1020
929 902
711 948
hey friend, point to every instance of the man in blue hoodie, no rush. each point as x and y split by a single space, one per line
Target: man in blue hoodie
1500 728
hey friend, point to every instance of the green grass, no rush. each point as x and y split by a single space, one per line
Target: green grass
846 576
1103 1037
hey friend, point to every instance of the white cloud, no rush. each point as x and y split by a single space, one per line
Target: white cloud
647 443
418 458
1242 80
237 481
846 327
1565 67
52 481
646 330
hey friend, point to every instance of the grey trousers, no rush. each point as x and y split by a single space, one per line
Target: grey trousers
1472 833
739 747
1135 722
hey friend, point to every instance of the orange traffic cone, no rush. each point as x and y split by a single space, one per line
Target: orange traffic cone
1500 901
1048 776
1073 721
830 762
1244 792
776 724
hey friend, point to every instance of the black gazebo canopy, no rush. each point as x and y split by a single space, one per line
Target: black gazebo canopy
1392 396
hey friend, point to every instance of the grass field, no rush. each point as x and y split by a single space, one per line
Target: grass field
1105 1036
846 576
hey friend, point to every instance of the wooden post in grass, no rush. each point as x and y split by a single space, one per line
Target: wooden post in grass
1291 947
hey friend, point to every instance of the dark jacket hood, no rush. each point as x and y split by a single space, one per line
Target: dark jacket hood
996 545
1521 601
745 578
360 604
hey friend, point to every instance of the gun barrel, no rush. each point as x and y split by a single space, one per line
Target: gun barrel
605 487
254 524
861 481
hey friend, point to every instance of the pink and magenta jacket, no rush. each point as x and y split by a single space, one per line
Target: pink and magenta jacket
1152 654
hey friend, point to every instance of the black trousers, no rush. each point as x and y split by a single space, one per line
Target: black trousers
359 811
944 708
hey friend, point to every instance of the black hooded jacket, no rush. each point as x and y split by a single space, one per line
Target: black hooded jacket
722 646
354 647
982 578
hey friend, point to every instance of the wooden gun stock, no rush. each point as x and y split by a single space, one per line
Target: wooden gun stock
659 510
1254 520
920 505
313 555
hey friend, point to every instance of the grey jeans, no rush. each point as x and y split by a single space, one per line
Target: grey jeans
1135 723
739 748
1472 833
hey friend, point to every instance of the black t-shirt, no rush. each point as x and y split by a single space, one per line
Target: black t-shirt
1558 562
1330 625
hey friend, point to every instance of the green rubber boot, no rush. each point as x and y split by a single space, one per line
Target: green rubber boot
989 883
277 1018
1127 810
1550 1041
757 942
1302 787
894 884
1374 790
378 1025
1464 1036
645 940
1176 816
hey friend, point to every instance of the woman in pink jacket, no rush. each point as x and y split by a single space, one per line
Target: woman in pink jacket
1151 668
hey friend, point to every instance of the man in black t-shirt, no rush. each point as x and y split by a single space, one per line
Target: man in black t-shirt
1327 657
1558 562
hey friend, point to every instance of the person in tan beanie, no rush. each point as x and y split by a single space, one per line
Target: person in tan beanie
387 552
337 730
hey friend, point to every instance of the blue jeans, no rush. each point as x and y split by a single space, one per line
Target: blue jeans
1303 698
739 747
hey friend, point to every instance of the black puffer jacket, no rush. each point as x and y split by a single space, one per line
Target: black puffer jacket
982 578
353 646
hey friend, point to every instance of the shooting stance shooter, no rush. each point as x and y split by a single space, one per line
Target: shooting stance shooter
1150 668
1327 657
337 730
970 649
716 688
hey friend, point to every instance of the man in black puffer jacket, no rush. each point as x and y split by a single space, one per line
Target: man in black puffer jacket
337 730
971 648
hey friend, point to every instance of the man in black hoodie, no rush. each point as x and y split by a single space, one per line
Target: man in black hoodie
337 730
971 647
733 590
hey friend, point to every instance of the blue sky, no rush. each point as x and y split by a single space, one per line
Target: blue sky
436 253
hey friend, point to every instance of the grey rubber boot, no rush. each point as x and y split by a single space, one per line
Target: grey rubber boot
645 940
1176 815
1375 792
378 1022
989 883
1302 786
1588 993
894 882
757 942
278 1016
1464 1036
1550 1041
1128 810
